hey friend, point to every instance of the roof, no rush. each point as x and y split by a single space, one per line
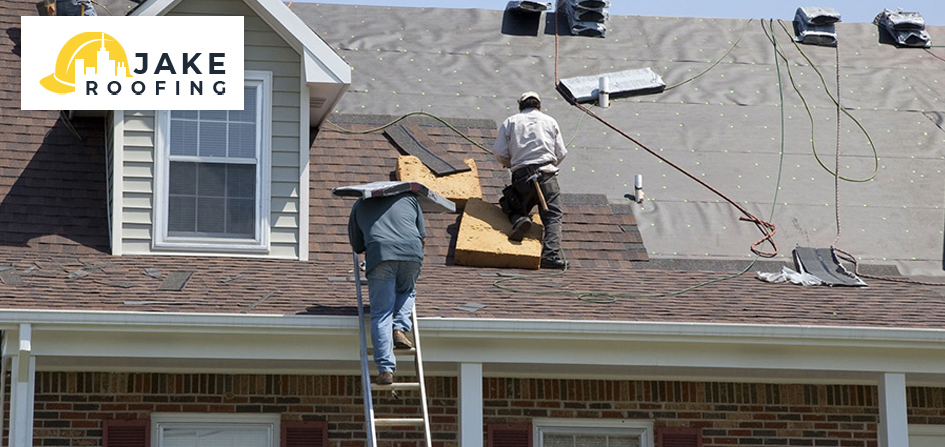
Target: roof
460 66
723 127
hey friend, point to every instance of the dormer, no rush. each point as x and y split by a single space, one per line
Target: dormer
227 183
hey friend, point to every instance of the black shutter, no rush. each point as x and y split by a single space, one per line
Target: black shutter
678 437
126 433
304 434
510 435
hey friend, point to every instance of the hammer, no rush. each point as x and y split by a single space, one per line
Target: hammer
541 197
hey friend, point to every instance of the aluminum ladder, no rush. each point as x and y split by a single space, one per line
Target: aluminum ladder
371 421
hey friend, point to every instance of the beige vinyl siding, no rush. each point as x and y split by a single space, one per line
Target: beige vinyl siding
137 181
264 50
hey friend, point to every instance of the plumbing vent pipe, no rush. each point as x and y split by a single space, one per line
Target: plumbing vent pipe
603 92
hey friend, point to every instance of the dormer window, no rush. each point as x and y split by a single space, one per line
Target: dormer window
212 179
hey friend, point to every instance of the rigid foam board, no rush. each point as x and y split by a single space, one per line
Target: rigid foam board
483 239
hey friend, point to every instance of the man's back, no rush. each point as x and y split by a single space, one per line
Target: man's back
529 138
387 229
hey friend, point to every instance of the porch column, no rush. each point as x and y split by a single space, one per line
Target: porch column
470 405
22 387
893 422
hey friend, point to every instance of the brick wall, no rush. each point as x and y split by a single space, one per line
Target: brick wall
729 414
70 407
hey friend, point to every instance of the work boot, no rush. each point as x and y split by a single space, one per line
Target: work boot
385 378
401 341
519 228
554 263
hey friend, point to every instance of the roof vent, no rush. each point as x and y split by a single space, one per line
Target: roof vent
907 28
639 81
585 17
527 6
816 26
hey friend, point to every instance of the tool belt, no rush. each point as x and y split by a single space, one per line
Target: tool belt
520 196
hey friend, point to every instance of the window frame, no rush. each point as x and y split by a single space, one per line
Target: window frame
214 420
642 428
259 243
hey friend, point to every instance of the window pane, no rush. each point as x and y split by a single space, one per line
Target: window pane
590 441
213 115
210 215
183 178
212 139
216 437
558 440
248 114
183 137
242 140
240 216
186 114
181 215
211 178
623 441
241 181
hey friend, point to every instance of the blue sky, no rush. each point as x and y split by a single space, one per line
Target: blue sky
854 11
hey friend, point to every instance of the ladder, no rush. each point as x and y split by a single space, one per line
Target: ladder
371 421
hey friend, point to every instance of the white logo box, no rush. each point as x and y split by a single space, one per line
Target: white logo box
189 63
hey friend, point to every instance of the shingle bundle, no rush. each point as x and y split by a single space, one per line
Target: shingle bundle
585 17
816 26
907 28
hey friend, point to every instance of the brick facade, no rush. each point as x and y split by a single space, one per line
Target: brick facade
70 407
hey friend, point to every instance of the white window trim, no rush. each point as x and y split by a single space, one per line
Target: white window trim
159 420
927 430
260 244
643 427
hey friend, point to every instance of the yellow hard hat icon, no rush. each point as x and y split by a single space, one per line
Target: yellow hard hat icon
85 46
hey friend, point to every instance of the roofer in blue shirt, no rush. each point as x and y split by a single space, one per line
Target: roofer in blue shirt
390 232
530 143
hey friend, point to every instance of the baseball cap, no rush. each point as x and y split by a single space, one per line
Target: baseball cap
527 95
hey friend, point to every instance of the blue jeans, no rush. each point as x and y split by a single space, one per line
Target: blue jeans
391 292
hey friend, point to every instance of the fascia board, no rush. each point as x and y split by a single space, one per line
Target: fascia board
675 332
478 328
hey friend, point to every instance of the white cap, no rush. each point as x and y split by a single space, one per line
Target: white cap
527 95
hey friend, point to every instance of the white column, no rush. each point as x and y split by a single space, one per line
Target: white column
470 405
893 422
22 386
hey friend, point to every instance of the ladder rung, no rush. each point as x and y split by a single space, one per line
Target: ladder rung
397 351
394 422
397 386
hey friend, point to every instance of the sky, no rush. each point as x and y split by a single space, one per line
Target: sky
852 11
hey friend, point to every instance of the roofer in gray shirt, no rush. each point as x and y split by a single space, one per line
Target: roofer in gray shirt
390 232
530 143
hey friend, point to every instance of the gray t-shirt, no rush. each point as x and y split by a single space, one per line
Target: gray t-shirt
387 229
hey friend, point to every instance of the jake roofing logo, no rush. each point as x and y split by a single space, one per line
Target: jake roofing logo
92 53
132 63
